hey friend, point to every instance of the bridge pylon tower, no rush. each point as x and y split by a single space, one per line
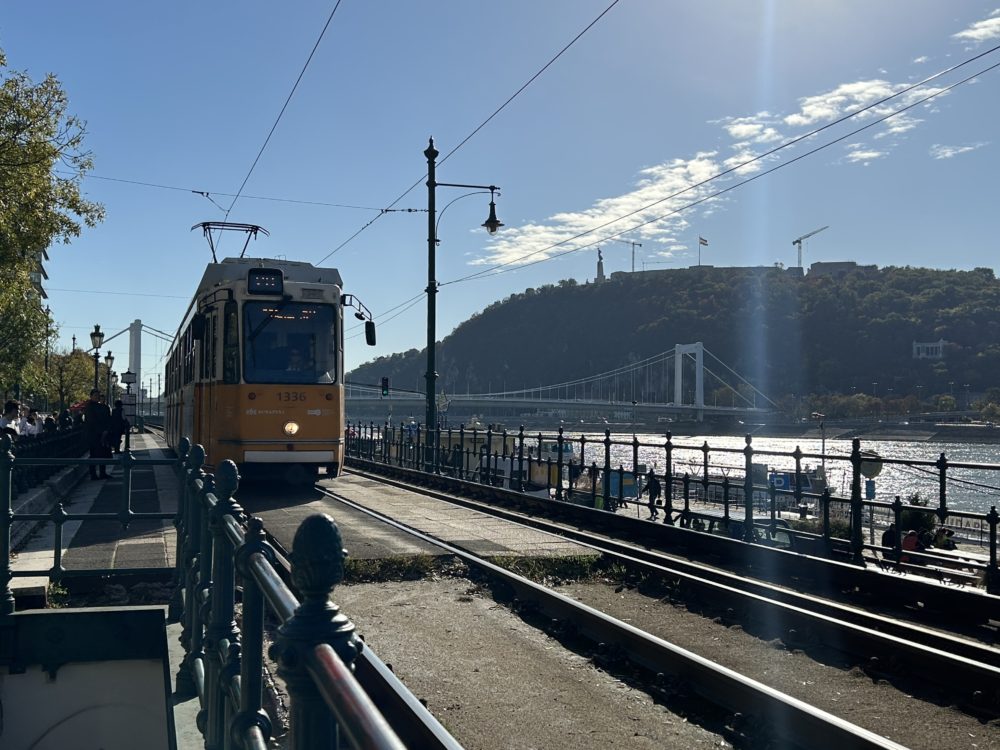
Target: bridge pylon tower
698 350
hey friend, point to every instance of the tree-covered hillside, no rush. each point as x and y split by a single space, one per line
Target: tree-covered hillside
786 333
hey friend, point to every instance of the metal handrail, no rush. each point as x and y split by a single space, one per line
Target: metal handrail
315 645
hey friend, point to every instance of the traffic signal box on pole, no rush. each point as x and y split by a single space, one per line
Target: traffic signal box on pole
385 387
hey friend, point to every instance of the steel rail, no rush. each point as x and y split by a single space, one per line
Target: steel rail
795 721
886 643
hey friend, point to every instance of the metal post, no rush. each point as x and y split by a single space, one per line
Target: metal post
6 512
607 467
520 459
992 573
748 490
942 511
252 633
431 412
668 481
559 465
857 539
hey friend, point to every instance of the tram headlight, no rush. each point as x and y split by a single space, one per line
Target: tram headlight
291 428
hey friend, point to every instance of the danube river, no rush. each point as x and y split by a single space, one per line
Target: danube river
968 489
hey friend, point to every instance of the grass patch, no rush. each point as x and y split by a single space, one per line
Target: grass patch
406 568
551 570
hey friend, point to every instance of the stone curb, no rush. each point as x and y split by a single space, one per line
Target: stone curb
43 499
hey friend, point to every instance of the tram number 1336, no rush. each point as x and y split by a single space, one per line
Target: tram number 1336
291 396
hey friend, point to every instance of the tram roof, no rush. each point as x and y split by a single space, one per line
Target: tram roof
230 270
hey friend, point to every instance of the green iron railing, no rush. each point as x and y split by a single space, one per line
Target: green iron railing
315 646
29 463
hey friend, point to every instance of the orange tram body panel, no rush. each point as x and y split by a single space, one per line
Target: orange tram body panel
256 371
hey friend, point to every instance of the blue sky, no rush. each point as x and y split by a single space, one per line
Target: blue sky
654 97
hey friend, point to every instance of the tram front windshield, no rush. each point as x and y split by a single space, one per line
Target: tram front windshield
289 342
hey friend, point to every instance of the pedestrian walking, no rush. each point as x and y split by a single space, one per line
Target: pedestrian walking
118 427
96 422
653 488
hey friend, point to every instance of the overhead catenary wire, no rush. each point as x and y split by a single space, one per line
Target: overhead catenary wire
479 127
283 108
505 266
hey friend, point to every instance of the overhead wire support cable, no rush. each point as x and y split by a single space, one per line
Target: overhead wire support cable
283 108
483 124
736 167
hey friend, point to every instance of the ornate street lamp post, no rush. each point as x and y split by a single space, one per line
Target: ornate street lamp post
108 362
96 340
492 224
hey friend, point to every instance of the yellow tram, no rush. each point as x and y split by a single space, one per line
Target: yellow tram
256 371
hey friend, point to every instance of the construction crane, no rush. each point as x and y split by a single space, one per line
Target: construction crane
798 242
634 246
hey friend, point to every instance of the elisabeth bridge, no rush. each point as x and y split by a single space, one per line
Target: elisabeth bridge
637 392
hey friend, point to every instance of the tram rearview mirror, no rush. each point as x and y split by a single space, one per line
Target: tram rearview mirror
370 332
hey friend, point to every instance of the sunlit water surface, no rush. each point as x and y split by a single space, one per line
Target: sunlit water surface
968 489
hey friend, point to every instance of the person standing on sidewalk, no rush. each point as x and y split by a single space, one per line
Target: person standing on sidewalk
96 422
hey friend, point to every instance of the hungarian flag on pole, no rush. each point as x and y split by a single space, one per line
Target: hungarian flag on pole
702 241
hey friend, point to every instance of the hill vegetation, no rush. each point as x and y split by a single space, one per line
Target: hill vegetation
823 336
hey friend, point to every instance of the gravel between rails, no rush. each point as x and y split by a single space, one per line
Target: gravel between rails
495 681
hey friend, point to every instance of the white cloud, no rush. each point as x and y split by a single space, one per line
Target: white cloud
821 108
648 203
981 31
857 152
946 152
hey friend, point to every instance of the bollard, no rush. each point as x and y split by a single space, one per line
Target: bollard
992 573
317 567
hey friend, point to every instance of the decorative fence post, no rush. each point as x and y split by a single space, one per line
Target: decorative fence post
252 662
857 537
181 525
317 567
221 632
668 481
184 681
748 490
992 573
520 459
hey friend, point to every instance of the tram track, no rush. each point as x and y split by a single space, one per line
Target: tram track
791 722
885 647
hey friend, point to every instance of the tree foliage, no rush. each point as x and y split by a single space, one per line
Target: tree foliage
42 164
790 335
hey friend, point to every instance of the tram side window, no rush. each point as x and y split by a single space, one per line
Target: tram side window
231 343
208 349
188 356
